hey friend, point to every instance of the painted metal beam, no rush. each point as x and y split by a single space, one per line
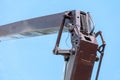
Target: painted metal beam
31 27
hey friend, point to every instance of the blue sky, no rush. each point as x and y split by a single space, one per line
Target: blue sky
32 58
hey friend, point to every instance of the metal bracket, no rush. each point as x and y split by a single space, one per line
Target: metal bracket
57 50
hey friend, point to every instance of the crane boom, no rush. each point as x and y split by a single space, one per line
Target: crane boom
31 27
83 54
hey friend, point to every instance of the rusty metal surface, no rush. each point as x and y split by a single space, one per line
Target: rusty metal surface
81 64
32 27
84 61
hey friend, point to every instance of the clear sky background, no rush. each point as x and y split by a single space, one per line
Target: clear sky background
32 58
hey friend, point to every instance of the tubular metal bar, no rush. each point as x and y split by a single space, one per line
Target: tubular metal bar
31 27
101 51
60 32
98 70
